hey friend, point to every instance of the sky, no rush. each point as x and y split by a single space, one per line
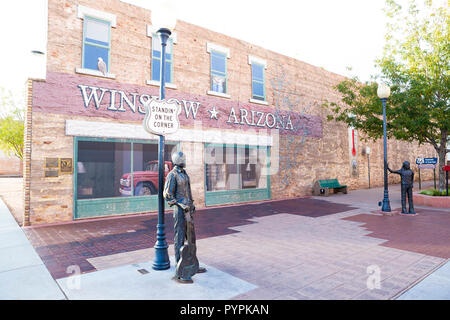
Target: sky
331 34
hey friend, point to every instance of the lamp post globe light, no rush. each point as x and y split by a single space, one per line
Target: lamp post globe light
163 17
383 93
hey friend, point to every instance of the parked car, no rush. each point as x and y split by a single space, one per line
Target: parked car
145 182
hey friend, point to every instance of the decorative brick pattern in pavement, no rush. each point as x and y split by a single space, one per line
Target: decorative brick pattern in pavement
427 233
286 248
299 257
296 257
72 244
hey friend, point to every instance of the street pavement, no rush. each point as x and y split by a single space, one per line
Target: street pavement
334 248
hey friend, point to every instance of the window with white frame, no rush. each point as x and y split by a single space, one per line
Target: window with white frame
96 46
96 42
258 79
218 69
156 48
218 72
156 59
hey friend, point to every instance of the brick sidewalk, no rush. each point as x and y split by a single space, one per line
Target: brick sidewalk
72 244
427 233
305 248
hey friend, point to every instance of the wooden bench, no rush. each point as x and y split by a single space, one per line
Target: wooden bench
322 187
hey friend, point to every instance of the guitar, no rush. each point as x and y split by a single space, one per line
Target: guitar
188 264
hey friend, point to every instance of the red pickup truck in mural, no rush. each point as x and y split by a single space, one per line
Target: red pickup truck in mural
145 182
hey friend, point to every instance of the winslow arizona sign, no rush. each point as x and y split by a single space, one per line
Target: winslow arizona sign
92 97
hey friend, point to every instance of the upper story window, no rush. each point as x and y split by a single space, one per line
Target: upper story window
96 43
218 57
258 79
156 58
96 47
218 72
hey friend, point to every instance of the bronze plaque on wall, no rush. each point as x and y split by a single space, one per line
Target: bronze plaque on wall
65 165
51 173
51 162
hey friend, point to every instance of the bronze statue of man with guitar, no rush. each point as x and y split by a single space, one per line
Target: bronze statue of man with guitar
177 192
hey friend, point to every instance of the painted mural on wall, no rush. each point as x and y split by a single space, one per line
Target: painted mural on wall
353 151
290 100
93 97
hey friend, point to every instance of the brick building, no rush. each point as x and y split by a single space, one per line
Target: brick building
252 124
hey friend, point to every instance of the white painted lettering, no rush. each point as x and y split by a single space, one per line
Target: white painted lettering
143 99
244 114
289 123
232 114
93 94
267 120
261 117
190 106
112 105
124 97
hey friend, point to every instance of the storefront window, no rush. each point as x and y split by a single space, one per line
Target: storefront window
100 168
235 167
119 169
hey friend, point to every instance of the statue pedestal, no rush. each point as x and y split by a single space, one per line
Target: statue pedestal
409 214
393 212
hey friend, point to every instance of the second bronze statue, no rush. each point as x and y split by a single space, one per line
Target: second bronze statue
407 183
177 192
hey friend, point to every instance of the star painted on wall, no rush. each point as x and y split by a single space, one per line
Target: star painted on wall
214 113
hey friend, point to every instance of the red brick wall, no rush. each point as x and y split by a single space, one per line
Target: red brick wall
291 85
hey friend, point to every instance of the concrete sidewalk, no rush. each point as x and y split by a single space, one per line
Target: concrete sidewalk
23 275
434 287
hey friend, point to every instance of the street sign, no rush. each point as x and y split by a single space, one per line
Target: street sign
161 117
426 160
446 168
426 166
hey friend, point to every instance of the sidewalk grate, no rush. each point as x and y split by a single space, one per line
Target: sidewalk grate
143 271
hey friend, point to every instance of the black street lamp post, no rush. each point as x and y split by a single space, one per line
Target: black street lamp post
383 93
161 261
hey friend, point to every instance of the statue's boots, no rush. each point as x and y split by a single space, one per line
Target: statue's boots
201 270
180 280
404 207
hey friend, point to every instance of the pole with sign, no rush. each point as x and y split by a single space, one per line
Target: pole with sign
427 163
161 118
434 177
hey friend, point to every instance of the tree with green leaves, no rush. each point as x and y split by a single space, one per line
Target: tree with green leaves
11 125
415 64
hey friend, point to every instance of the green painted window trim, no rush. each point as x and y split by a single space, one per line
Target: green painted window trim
237 195
216 72
136 204
96 44
255 96
154 36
